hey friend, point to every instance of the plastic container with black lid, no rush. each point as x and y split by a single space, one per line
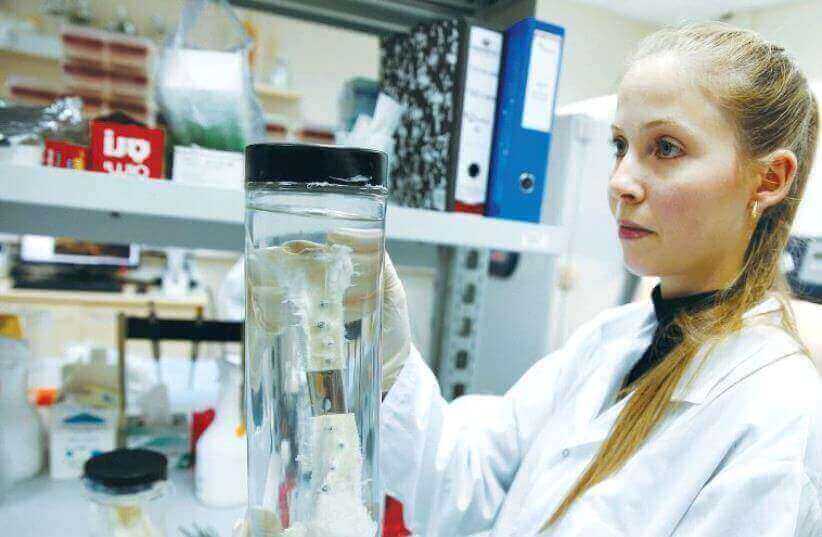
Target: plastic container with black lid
315 237
126 489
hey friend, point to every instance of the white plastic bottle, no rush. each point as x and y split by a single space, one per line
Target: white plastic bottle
21 449
220 468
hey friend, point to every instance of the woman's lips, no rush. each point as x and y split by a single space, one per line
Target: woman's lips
630 230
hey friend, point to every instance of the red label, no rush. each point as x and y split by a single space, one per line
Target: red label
131 149
460 207
65 155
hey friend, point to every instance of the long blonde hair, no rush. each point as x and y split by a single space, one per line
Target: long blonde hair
765 95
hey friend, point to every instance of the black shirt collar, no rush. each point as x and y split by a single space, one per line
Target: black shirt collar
667 308
666 335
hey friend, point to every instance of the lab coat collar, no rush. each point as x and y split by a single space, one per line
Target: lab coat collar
730 361
716 368
598 429
627 338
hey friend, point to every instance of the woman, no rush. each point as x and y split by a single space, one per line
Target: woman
694 414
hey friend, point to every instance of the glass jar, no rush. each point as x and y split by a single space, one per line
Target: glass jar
126 488
315 237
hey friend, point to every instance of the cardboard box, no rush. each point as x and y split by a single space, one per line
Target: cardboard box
78 433
129 149
209 167
65 155
172 440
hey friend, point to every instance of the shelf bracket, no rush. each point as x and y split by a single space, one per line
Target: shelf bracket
466 277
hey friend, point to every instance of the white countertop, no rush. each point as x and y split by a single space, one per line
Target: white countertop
43 507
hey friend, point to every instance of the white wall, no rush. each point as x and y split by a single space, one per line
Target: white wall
321 59
596 46
796 27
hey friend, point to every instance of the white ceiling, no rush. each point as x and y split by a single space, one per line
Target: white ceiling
676 11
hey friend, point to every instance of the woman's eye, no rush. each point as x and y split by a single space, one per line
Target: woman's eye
665 148
620 146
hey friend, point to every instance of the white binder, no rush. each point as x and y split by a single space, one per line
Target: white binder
477 94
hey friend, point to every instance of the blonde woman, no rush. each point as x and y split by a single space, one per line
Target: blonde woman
696 413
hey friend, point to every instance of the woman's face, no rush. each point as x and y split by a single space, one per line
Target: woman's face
681 204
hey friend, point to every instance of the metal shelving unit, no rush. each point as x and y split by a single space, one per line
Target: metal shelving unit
111 208
373 16
104 208
464 291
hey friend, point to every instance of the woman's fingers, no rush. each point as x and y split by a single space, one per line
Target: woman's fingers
391 281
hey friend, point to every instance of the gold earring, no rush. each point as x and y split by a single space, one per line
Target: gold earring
755 210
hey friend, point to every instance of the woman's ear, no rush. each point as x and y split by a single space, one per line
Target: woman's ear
775 178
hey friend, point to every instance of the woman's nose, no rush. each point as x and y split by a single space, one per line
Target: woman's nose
624 185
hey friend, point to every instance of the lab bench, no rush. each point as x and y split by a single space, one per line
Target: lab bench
42 507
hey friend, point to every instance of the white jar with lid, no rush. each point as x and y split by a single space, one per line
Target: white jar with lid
126 489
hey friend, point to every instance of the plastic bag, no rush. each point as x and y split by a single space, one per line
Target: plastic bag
375 132
204 81
61 119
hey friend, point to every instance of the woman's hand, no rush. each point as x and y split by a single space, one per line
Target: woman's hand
396 328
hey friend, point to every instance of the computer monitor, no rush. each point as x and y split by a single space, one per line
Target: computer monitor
42 249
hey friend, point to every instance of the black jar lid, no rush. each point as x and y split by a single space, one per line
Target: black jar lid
304 163
126 468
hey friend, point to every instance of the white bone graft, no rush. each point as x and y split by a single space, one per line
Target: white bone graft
337 479
308 287
366 244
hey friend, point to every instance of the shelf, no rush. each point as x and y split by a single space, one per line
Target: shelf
270 91
373 16
98 299
108 208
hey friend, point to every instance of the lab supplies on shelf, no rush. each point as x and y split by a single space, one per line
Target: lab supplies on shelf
530 76
84 422
210 167
445 73
120 146
109 70
358 97
126 489
204 80
60 154
77 433
221 466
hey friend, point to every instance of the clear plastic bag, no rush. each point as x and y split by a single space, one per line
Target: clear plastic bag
61 119
204 81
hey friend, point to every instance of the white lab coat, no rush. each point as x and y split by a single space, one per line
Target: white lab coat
740 454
